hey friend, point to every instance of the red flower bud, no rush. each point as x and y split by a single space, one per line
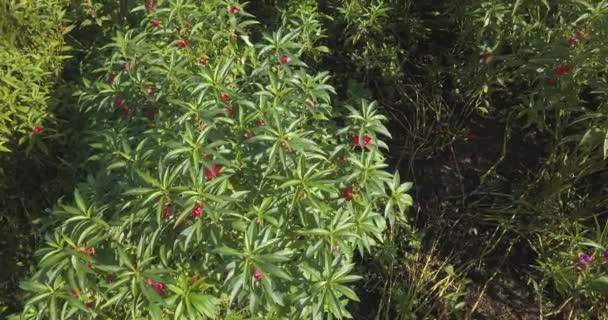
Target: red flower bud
334 249
88 264
165 213
36 129
196 279
284 59
225 97
196 211
234 10
366 140
181 44
74 293
258 276
117 101
150 282
348 194
150 5
572 41
91 251
260 122
562 69
203 60
230 109
155 23
159 287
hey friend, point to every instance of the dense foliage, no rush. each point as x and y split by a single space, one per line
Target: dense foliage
226 180
229 162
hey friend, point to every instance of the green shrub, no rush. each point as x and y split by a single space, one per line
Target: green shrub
542 66
31 53
228 185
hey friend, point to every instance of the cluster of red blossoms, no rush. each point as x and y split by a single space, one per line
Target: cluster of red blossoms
158 286
366 140
562 69
212 173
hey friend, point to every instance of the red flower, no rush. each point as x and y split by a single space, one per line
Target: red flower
159 287
230 109
212 174
150 282
348 194
150 91
150 5
89 264
203 60
74 293
573 41
562 69
196 279
155 23
258 276
225 97
36 129
196 211
260 122
91 251
366 140
234 10
284 59
166 212
181 43
117 100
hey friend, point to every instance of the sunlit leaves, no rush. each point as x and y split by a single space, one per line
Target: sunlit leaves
231 193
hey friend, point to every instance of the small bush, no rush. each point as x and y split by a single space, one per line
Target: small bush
228 185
